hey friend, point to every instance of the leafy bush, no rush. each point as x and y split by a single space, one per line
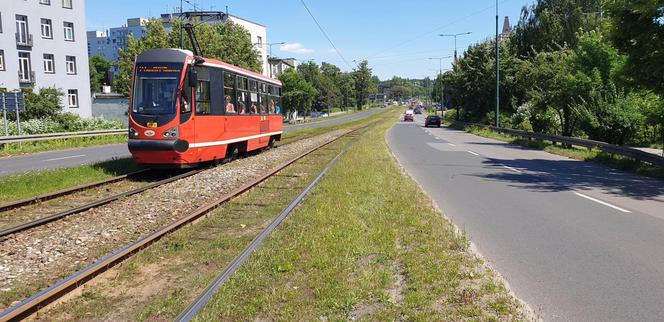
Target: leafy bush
61 123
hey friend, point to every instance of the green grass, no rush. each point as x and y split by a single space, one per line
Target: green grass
12 149
579 153
366 244
34 183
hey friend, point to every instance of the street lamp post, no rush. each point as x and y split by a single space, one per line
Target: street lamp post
497 71
269 55
440 74
455 41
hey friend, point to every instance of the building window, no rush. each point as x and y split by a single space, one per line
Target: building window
67 4
0 22
46 28
49 64
24 69
72 98
260 41
2 59
70 63
69 31
22 35
46 2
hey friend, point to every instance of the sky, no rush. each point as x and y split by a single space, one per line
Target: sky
396 37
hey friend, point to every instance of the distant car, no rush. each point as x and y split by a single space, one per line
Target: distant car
432 120
418 111
409 116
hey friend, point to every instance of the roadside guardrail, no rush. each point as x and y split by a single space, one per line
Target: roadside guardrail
54 136
603 146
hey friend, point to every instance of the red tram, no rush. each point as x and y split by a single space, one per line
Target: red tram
185 109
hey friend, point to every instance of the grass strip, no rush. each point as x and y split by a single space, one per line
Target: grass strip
34 183
366 244
618 162
13 149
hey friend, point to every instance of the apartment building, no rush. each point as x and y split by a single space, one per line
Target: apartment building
43 44
107 43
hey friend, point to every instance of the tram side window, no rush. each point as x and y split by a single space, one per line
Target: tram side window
242 95
229 93
253 97
203 98
262 103
274 105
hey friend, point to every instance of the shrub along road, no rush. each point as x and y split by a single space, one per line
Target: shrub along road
74 157
575 239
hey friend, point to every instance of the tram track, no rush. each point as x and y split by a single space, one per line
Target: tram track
100 202
55 291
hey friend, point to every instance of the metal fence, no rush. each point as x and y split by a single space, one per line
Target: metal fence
57 136
603 146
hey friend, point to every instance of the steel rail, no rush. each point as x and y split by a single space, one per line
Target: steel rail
101 202
32 304
68 191
200 301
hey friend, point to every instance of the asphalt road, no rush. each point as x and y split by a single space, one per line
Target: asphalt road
575 240
88 155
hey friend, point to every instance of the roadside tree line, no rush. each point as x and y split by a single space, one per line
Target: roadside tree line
325 88
584 68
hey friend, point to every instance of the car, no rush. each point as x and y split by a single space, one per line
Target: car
432 120
408 115
418 110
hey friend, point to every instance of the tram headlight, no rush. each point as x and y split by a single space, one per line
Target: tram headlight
172 133
133 132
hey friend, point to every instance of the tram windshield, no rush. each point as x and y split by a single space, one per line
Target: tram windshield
156 89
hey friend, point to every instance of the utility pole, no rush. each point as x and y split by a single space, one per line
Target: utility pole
440 75
181 23
497 71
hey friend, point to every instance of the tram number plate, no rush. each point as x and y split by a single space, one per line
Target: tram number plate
152 124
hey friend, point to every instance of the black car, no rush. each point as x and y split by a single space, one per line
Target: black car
432 120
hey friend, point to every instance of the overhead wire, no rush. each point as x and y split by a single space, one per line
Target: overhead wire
325 34
409 40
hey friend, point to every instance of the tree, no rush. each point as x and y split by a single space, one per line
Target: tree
297 93
363 83
637 29
549 25
99 68
44 104
346 85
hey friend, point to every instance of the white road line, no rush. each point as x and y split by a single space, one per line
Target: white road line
601 202
510 168
63 158
473 153
451 144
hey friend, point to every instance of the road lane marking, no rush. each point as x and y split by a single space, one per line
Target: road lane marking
601 202
510 168
63 158
451 144
473 153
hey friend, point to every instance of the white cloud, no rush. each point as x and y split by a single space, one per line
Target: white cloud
331 51
296 48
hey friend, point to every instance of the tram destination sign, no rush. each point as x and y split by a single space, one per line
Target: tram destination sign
10 101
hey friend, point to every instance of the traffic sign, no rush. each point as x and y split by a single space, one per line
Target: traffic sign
10 101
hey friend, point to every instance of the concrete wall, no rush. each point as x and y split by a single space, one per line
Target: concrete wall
111 107
56 46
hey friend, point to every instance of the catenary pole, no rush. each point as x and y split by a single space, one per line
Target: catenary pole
497 71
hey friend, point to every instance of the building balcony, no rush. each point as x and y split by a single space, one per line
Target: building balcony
26 78
24 39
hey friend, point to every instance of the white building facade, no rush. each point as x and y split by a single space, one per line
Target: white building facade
43 44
